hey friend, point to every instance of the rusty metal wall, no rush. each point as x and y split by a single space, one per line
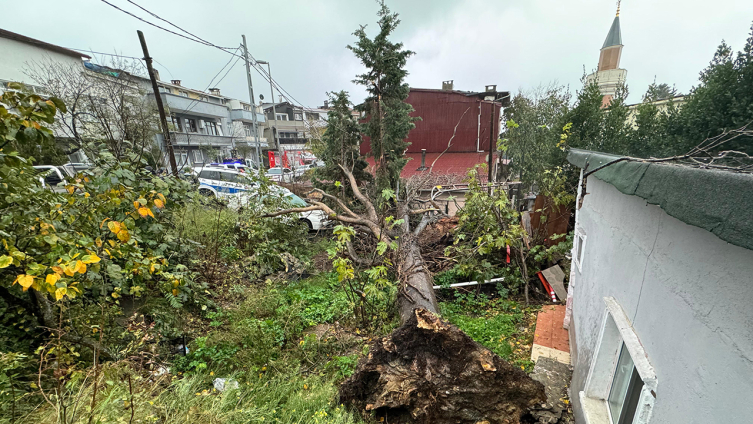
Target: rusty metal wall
440 112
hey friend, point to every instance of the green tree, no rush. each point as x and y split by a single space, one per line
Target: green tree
534 126
340 145
387 114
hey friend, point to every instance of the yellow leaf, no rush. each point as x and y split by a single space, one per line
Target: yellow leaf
59 293
87 194
124 236
112 243
145 211
70 189
159 203
51 279
175 292
114 226
161 197
136 204
25 281
98 242
80 267
5 261
58 270
91 259
69 270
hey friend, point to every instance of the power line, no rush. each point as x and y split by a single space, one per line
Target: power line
284 93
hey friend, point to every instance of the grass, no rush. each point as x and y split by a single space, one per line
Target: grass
501 325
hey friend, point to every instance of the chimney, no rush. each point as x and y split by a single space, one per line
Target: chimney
175 82
326 104
423 161
156 74
215 91
447 85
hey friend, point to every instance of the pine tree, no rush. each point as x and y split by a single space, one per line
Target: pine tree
388 119
340 146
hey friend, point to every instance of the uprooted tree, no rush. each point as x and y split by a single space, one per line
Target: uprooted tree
404 378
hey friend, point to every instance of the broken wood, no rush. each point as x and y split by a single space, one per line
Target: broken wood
428 371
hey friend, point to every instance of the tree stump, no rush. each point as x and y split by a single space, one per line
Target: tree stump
428 371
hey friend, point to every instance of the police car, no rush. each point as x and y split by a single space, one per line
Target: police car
238 189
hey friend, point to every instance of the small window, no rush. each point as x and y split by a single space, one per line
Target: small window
626 389
178 124
282 116
211 128
579 247
191 125
247 129
299 117
197 156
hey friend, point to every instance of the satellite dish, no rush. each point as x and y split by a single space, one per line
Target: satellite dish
261 97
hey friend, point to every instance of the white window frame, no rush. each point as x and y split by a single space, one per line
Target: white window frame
198 157
579 244
616 330
282 116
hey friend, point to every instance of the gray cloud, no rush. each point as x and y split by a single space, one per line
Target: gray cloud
474 42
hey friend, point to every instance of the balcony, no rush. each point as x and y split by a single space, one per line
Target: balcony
246 115
190 106
196 139
293 140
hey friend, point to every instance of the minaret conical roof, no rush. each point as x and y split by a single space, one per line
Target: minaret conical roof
614 37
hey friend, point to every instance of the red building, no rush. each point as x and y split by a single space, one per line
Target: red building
467 115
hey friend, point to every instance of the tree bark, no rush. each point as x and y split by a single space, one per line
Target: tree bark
417 287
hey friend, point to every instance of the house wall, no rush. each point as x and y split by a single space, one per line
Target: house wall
688 295
440 112
17 57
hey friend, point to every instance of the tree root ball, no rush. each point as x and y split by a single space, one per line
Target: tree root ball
428 371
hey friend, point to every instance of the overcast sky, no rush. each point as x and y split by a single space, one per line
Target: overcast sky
513 44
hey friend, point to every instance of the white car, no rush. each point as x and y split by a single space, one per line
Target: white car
239 190
284 175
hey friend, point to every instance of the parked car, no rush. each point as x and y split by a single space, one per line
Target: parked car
50 176
315 220
301 169
224 183
284 175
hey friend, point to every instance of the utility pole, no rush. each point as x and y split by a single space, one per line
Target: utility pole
253 102
160 106
274 111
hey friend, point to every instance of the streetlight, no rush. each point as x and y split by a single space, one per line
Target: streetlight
274 109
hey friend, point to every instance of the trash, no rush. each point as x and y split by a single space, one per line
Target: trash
225 383
556 278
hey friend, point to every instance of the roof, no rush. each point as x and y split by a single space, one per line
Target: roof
614 37
503 96
41 44
717 201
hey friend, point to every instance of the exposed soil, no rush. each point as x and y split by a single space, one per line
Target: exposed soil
428 371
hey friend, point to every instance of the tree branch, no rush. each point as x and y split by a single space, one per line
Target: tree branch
371 211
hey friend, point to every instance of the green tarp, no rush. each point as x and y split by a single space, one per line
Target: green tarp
717 201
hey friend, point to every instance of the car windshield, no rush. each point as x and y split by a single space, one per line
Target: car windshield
273 171
296 201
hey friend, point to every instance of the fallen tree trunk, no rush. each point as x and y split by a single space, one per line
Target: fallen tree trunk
417 289
428 371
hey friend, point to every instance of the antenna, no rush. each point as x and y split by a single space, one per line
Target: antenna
618 7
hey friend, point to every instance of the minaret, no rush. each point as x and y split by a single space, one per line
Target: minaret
609 75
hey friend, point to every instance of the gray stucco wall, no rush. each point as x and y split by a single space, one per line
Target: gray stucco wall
690 298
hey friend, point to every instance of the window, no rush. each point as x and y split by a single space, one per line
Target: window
621 384
210 175
210 127
626 389
182 93
298 117
247 107
181 158
248 129
312 116
274 171
197 156
191 125
178 123
579 247
282 116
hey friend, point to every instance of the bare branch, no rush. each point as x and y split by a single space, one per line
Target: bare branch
371 211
